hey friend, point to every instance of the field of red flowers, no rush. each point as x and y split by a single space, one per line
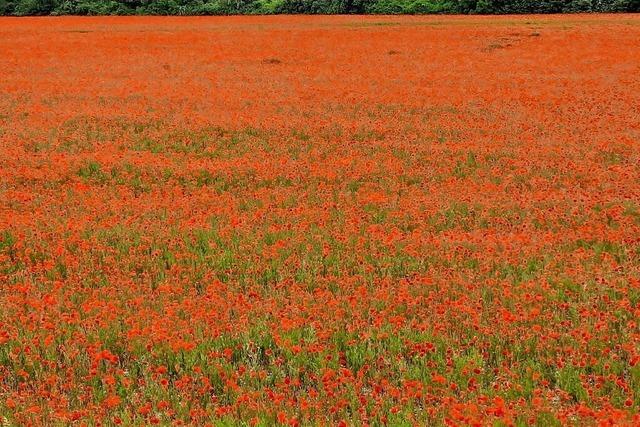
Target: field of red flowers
320 221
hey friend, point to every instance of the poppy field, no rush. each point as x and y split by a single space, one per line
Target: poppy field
320 221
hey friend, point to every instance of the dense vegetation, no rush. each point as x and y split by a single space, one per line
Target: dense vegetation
334 221
226 7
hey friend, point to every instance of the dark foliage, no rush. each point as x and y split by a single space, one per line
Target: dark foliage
228 7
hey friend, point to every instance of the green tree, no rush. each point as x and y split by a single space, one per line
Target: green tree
226 7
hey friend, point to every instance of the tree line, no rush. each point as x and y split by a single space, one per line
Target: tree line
233 7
